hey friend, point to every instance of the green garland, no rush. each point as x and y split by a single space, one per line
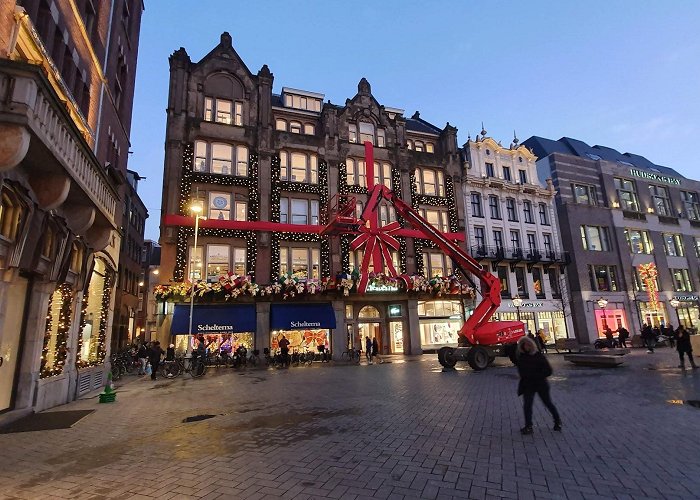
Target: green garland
64 293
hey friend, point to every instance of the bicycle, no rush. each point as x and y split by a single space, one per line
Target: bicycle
195 366
351 355
171 369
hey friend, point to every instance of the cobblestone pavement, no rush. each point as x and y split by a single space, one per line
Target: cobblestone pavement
397 430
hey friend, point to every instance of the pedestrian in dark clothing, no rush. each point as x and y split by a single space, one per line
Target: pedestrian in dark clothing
683 346
368 349
375 349
669 332
142 354
622 336
284 350
609 336
649 338
534 369
154 356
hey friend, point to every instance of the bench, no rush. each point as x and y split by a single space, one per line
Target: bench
567 345
594 360
615 351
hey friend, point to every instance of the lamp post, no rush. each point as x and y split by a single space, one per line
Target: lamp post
196 210
517 302
675 303
603 303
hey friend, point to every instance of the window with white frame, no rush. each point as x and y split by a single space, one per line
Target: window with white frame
595 238
430 182
223 111
681 280
299 211
673 244
299 167
227 206
387 214
300 262
356 173
436 263
366 132
220 158
437 218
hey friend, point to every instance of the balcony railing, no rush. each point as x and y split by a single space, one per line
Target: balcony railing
532 255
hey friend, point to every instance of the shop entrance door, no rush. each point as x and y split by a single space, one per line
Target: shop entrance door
10 333
370 330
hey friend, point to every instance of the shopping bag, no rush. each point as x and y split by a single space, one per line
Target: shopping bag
148 369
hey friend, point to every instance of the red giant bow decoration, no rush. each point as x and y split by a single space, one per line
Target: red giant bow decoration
378 241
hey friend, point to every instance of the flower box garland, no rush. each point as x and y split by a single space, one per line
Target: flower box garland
231 287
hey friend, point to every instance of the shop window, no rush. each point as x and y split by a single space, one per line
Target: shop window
299 211
301 263
298 167
430 182
219 158
439 322
653 314
95 315
639 241
58 323
10 216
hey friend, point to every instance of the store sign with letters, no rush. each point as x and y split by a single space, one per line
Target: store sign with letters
527 305
654 177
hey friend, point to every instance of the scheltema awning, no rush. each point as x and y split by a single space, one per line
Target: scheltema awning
213 319
301 316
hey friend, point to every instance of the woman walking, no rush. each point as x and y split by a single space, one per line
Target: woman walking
683 346
534 369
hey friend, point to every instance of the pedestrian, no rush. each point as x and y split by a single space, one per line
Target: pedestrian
154 356
669 332
142 354
368 349
649 338
542 340
534 369
683 346
284 350
375 349
622 336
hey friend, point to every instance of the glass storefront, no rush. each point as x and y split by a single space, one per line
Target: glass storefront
439 322
552 322
610 318
301 340
655 316
96 312
215 342
689 315
396 336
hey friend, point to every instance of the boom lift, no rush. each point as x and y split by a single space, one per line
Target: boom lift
480 340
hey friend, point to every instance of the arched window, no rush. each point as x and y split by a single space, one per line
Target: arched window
295 127
368 312
419 146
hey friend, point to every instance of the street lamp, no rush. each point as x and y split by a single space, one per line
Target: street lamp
196 209
602 303
675 303
517 302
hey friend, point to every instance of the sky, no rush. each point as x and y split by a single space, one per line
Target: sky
623 74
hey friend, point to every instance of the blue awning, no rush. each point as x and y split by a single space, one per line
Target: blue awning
301 316
213 319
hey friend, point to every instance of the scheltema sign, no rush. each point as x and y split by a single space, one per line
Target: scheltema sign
654 177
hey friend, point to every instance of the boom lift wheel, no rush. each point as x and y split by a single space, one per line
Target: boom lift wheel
478 358
446 357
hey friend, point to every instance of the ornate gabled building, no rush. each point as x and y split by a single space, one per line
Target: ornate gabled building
512 228
66 91
264 167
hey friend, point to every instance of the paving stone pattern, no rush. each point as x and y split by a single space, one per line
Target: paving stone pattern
398 430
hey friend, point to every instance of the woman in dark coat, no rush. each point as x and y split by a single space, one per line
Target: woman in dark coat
683 346
534 369
154 356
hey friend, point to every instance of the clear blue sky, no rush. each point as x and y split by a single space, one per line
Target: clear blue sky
624 74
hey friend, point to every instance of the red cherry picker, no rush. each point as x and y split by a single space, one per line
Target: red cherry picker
480 340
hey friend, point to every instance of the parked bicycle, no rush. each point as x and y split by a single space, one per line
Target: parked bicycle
351 356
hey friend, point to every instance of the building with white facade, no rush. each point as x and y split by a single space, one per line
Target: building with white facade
512 229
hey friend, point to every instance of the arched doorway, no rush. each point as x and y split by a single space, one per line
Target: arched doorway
369 325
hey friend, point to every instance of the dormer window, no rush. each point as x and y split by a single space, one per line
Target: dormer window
295 127
419 146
